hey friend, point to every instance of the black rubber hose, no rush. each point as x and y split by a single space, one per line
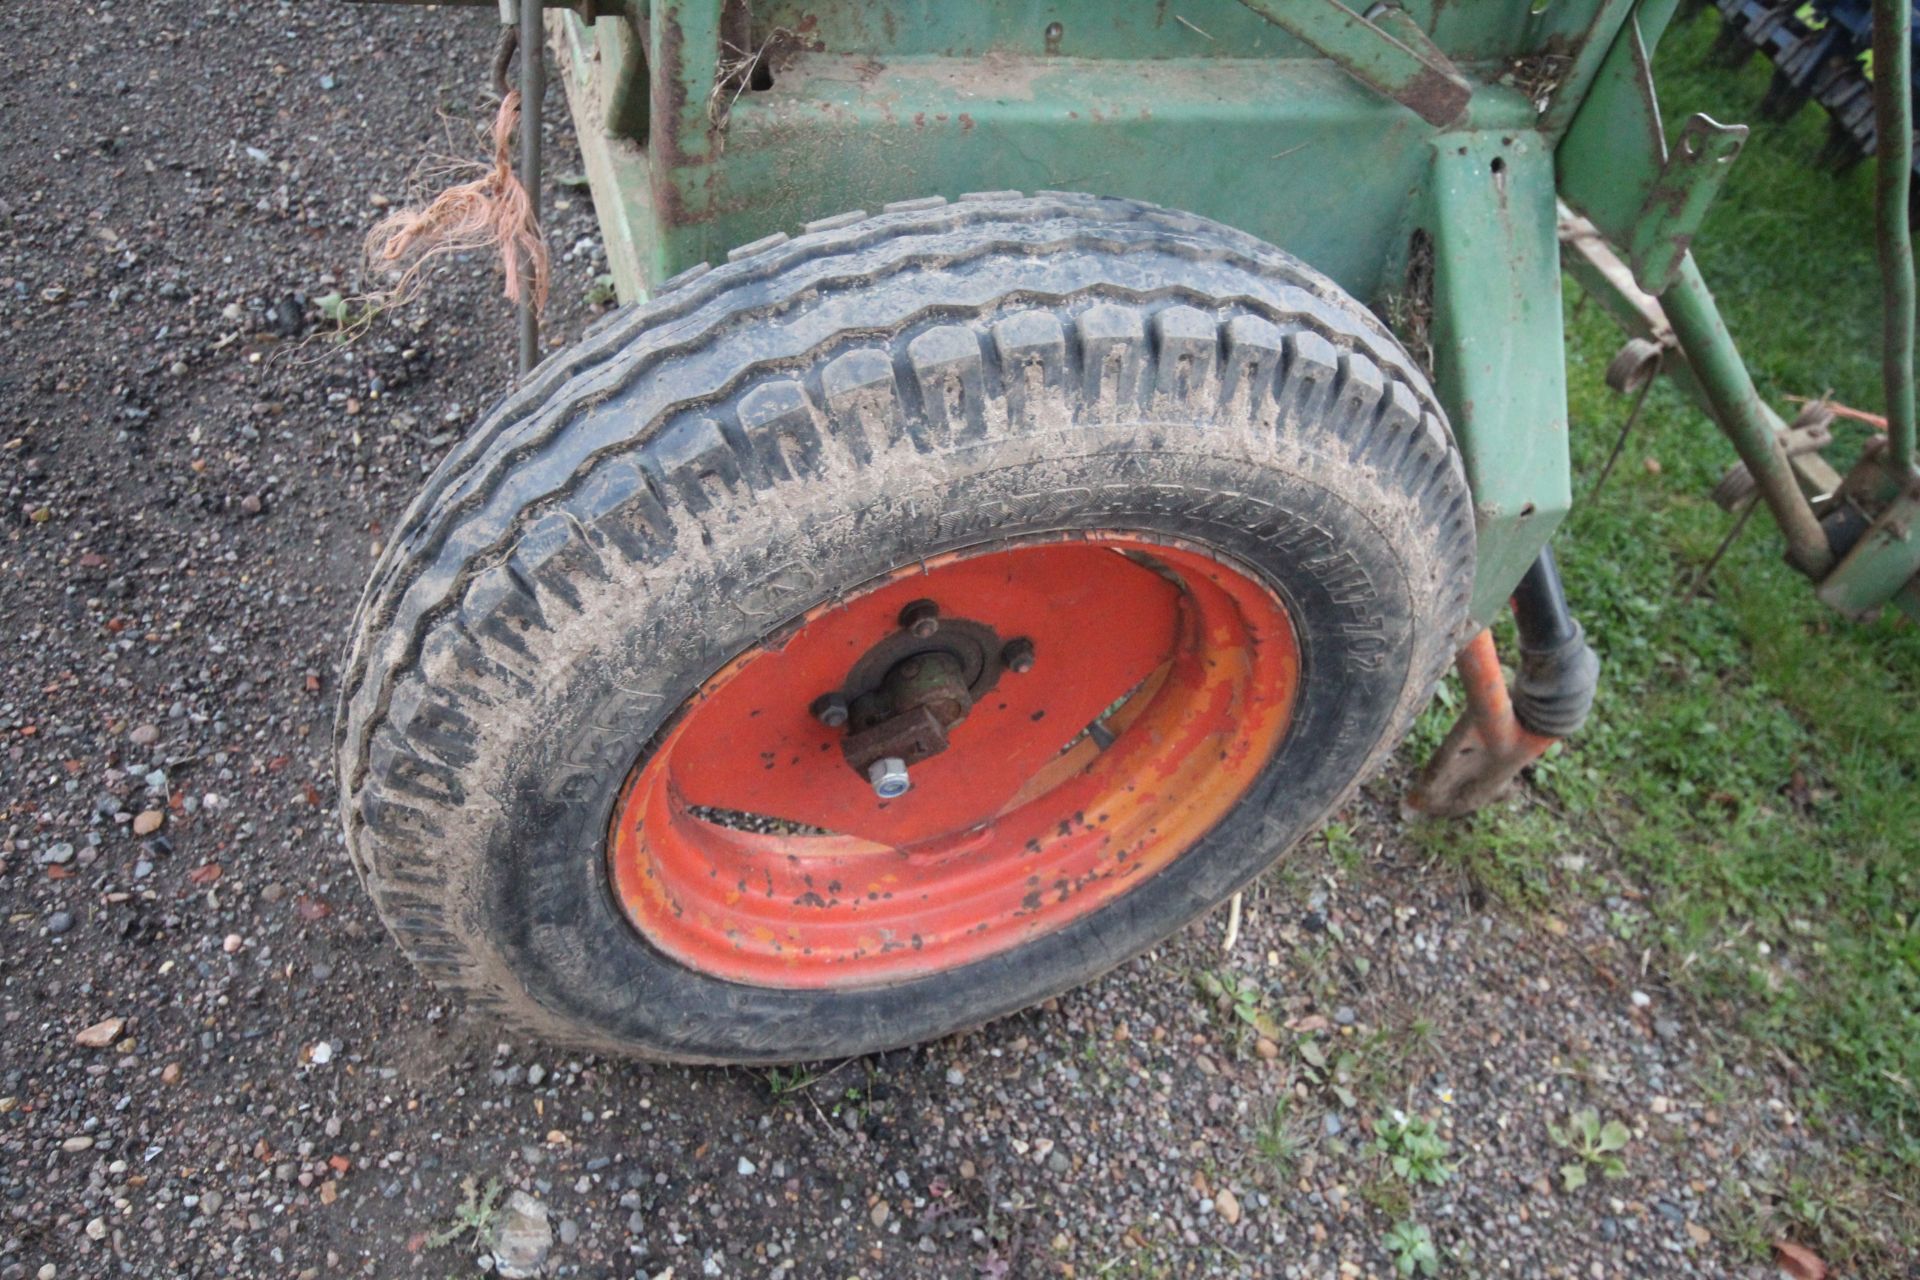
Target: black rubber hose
1559 671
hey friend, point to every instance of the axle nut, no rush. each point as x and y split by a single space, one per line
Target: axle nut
1018 656
921 618
830 709
889 777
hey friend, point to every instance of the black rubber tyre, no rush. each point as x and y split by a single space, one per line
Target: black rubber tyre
817 412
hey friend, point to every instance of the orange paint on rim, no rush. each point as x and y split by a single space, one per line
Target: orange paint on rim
1025 823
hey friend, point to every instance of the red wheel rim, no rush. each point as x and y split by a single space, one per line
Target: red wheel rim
1031 818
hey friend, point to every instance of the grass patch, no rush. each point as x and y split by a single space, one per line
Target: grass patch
1281 1140
1753 762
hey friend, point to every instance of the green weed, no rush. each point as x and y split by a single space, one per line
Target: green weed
1387 1194
477 1215
784 1083
1343 846
1411 1247
1592 1143
1240 999
1337 1074
1414 1150
601 293
349 316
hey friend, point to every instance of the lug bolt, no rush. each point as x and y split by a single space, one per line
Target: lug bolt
1018 656
889 777
921 618
830 709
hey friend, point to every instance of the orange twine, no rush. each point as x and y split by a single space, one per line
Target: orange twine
1843 411
492 211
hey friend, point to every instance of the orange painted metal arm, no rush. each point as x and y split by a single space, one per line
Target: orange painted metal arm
1487 747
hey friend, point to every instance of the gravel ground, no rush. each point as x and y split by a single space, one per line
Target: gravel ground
215 1063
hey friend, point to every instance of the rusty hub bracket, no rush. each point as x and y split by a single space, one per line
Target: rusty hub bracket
909 736
905 694
908 716
1487 747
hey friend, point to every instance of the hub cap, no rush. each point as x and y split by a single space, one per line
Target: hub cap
1123 696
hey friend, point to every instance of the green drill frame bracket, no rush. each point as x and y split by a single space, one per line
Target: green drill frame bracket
1615 147
1881 566
1678 203
1615 170
1499 360
1409 67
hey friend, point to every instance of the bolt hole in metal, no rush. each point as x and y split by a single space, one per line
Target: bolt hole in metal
1065 760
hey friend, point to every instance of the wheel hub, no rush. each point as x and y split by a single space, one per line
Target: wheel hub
904 695
773 841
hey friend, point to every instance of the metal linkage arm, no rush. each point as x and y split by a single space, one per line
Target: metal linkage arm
1487 747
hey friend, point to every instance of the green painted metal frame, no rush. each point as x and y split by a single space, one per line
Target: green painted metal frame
1893 124
1495 330
1615 170
1678 203
1345 140
1411 152
1879 567
1399 60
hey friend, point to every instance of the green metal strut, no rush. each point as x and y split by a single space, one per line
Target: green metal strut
533 87
1737 407
1893 124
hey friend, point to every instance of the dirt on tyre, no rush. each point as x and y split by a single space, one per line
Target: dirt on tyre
896 626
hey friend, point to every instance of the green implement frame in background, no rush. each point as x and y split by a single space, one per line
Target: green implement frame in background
1429 156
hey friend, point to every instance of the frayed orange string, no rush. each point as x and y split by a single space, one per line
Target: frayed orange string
491 211
1843 411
